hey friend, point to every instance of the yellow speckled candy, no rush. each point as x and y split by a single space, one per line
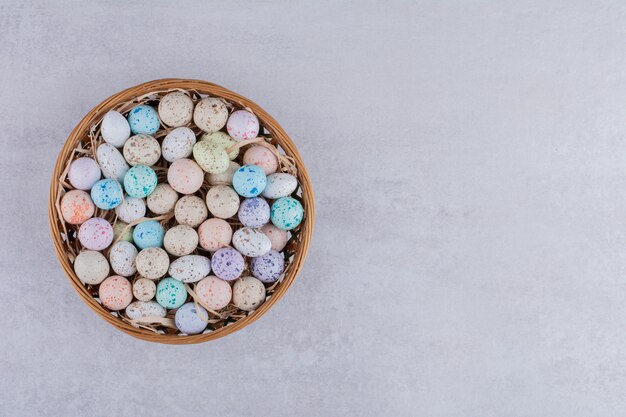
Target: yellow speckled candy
223 140
211 157
118 232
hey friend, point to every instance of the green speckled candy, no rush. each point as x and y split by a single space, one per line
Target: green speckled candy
140 181
171 293
222 140
287 213
211 157
118 230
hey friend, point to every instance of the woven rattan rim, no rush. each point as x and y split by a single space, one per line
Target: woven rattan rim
279 137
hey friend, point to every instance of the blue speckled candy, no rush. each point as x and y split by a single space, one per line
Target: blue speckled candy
269 267
249 180
143 119
189 320
107 194
140 181
149 234
227 264
171 293
254 212
287 213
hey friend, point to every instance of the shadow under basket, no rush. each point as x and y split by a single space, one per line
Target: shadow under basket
83 141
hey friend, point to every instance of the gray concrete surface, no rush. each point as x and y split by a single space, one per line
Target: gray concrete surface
470 169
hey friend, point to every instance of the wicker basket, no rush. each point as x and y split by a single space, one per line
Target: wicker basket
64 236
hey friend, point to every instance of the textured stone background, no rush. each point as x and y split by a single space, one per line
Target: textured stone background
469 164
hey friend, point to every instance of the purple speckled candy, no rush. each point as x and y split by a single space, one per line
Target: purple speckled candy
268 267
254 212
227 264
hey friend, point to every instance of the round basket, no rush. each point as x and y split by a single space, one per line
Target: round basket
85 137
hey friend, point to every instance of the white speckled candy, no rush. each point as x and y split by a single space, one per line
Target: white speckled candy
83 173
115 129
269 267
91 267
122 257
243 125
278 237
222 201
214 292
176 109
210 114
96 234
287 213
143 119
142 150
107 194
226 177
171 293
152 263
211 157
248 293
249 181
115 292
111 162
163 199
119 230
185 176
131 209
140 309
190 268
214 234
144 289
178 144
280 185
222 140
77 207
190 210
140 181
180 240
251 242
254 212
263 157
191 319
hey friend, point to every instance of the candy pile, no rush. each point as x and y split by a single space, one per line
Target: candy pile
186 226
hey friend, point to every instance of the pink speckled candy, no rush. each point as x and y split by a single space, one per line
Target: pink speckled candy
96 234
84 173
214 234
214 292
77 207
185 176
278 237
263 157
227 264
116 293
242 125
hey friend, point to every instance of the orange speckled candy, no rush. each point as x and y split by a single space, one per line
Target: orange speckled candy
185 176
77 207
116 293
263 157
215 234
214 292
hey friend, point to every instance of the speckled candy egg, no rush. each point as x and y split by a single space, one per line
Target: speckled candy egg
91 267
171 293
111 162
142 150
190 268
222 201
120 231
191 319
249 181
263 157
142 309
148 234
115 129
269 267
143 119
251 242
242 125
95 234
180 240
83 173
131 209
191 211
140 181
214 292
254 212
163 199
176 109
178 144
280 185
77 207
185 176
211 157
107 194
122 257
278 237
287 213
227 264
226 177
144 289
248 293
214 234
210 114
152 263
222 140
115 292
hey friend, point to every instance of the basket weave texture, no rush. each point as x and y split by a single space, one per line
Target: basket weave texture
64 236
